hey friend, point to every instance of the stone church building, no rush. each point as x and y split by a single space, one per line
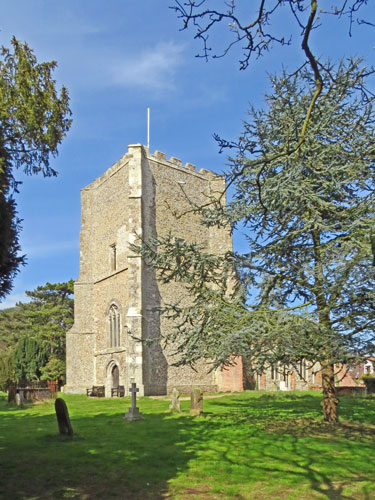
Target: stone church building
116 294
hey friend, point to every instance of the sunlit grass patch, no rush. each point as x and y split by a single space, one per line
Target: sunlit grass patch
252 445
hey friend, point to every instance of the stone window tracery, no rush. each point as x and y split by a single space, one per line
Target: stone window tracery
114 320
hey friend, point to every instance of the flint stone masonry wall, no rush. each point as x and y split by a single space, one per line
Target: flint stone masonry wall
79 368
139 195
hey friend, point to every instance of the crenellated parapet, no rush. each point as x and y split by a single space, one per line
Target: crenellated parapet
109 172
174 162
158 157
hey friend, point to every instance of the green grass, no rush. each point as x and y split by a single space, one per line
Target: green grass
248 446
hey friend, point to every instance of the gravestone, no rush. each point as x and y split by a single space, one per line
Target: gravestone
175 401
196 401
19 398
65 427
133 413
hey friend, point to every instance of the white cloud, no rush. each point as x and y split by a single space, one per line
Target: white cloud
152 69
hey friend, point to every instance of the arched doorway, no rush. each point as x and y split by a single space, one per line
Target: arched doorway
115 377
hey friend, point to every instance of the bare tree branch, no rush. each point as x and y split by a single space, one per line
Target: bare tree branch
258 36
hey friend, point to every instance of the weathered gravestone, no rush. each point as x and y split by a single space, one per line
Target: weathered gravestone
196 401
133 413
175 401
19 398
65 427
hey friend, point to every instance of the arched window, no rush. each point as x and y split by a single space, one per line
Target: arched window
114 319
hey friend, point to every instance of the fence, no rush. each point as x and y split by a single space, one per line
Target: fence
33 391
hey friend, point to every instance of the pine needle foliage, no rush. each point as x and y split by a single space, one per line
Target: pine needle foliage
309 216
305 287
29 357
50 315
33 334
34 119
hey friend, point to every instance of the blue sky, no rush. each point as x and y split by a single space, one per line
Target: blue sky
117 58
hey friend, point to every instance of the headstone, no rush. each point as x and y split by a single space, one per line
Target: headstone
283 386
65 427
19 398
175 401
133 413
196 401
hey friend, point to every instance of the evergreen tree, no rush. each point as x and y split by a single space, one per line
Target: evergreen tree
34 119
7 369
253 29
54 369
50 315
29 358
38 328
305 288
10 225
13 325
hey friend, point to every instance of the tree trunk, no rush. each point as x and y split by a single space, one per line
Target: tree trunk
330 401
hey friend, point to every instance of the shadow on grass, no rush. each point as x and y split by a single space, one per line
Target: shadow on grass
107 457
331 471
333 459
237 450
266 407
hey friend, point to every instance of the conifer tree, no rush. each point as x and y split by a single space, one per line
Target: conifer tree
37 329
50 316
305 288
34 119
29 358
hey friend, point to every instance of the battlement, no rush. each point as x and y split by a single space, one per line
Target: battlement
109 172
157 156
176 162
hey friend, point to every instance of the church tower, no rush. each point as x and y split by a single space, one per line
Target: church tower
116 295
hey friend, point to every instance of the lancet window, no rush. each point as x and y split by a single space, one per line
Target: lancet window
114 320
113 257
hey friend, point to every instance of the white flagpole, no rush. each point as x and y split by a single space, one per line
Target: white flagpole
148 128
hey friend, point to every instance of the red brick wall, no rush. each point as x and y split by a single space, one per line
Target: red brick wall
262 382
343 377
232 377
293 382
318 378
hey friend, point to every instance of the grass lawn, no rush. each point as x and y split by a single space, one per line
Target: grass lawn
249 446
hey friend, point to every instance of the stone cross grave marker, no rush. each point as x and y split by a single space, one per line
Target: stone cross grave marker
65 427
133 413
175 401
196 401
